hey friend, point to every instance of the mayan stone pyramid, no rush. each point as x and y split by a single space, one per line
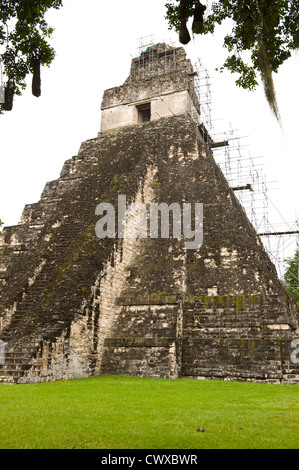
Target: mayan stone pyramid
75 305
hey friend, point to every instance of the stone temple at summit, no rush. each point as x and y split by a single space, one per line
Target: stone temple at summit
73 304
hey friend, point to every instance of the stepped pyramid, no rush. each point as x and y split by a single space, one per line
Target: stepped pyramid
75 305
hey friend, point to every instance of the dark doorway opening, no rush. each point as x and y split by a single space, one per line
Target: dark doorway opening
144 112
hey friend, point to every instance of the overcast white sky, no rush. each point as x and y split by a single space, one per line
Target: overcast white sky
94 41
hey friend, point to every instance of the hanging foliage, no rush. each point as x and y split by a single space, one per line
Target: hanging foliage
268 29
184 33
24 47
8 96
267 79
197 25
36 80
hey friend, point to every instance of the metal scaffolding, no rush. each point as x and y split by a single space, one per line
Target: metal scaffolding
246 176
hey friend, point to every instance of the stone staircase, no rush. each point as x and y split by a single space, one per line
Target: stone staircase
17 359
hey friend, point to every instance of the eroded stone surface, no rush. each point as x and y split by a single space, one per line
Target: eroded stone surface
74 305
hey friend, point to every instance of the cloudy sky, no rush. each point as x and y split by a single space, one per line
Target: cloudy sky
94 42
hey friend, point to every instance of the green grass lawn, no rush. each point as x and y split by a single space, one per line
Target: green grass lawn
109 412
